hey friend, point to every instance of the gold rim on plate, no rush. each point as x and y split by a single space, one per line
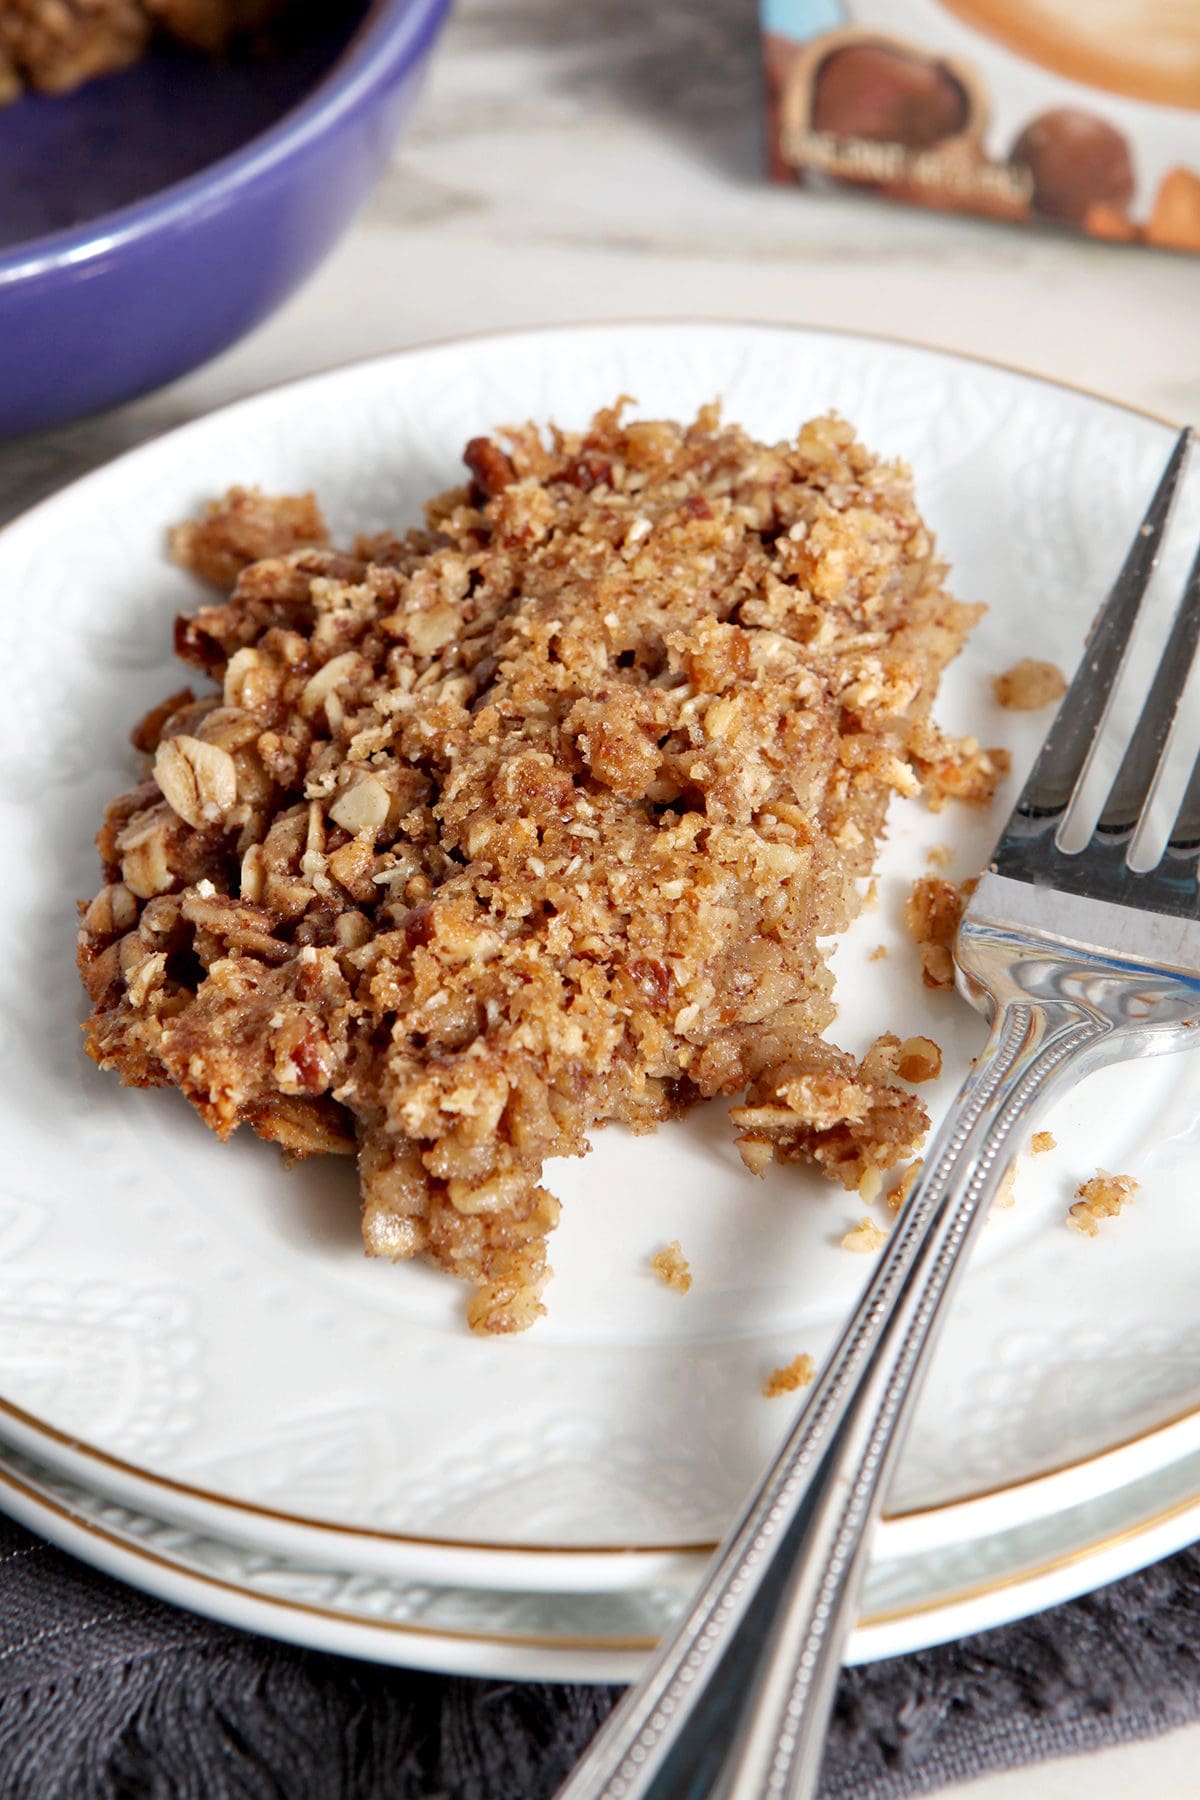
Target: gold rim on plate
545 1641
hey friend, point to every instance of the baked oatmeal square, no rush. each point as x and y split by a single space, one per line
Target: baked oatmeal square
536 818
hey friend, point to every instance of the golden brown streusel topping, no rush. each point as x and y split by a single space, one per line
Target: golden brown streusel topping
672 1267
790 1377
1029 684
529 820
1100 1198
243 527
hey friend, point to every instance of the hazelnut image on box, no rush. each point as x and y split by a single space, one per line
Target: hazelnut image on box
876 92
1078 162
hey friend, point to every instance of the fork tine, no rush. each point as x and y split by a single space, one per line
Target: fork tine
1139 772
1185 833
1070 744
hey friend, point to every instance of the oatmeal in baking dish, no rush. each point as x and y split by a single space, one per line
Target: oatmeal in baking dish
530 820
56 45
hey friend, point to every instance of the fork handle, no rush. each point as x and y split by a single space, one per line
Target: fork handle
736 1701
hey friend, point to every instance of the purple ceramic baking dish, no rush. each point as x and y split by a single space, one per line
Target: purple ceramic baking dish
200 198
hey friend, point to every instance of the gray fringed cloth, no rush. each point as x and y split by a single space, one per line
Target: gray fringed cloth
108 1695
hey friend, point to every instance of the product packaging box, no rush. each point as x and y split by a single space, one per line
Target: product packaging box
1085 116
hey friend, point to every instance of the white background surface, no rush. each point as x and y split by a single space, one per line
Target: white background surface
598 161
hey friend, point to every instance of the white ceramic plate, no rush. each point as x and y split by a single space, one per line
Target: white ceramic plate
326 1603
200 1331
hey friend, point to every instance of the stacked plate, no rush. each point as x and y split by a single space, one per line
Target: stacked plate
209 1392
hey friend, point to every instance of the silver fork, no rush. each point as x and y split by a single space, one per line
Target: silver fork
1079 960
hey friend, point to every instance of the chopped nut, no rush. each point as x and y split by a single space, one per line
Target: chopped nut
937 966
757 1153
253 874
904 1187
112 912
353 930
790 1377
870 1184
920 1060
363 806
338 671
671 1267
429 630
492 469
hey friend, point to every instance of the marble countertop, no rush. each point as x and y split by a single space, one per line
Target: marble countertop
598 161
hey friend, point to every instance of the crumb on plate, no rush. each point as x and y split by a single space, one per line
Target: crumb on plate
1100 1198
1029 684
672 1267
864 1237
791 1376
